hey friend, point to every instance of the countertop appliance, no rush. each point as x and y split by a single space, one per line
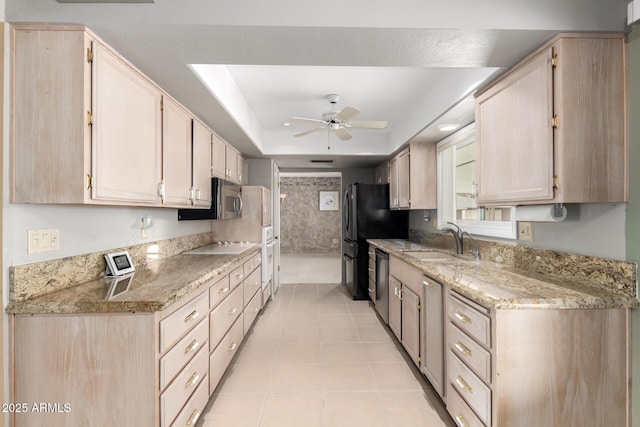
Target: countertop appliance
226 203
381 304
366 215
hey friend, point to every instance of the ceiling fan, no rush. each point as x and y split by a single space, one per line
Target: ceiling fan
339 121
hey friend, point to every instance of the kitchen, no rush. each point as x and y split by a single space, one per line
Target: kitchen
601 228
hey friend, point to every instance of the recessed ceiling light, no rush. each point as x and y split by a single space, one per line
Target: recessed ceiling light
286 124
446 127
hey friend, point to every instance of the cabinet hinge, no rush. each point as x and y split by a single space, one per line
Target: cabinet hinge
555 122
89 55
554 60
556 182
161 105
420 359
89 118
89 182
419 306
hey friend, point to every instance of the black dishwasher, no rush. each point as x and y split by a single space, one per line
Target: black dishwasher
382 285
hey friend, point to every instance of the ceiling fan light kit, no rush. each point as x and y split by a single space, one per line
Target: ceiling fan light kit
339 121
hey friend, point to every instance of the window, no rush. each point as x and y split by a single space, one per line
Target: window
457 190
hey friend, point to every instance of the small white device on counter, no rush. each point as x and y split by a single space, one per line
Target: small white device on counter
119 285
119 264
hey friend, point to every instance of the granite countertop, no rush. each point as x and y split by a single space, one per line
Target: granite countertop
155 286
496 286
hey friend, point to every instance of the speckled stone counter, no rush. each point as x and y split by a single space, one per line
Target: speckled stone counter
498 286
155 286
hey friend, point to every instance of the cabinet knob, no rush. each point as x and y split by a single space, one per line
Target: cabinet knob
223 290
232 347
233 311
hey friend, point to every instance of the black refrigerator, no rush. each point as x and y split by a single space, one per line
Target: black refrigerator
367 216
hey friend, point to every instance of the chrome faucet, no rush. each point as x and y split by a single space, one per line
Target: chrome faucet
456 232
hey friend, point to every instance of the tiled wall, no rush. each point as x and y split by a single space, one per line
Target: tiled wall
304 228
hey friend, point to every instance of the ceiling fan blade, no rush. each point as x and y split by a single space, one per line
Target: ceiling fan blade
346 113
307 132
342 134
304 119
367 124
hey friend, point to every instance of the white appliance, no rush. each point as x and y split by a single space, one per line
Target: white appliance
267 263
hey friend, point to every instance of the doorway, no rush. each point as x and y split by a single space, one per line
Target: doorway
310 227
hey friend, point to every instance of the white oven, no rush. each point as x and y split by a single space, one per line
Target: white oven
267 263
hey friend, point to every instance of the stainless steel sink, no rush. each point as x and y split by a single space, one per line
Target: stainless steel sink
432 256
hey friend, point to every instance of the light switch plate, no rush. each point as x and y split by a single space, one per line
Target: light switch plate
43 240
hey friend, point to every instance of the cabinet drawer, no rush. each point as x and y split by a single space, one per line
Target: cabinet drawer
469 320
460 411
372 269
219 291
222 356
251 285
372 290
192 411
257 259
223 316
249 266
251 311
470 352
178 323
176 395
236 277
175 359
470 387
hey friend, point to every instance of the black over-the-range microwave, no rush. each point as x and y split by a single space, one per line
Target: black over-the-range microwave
226 203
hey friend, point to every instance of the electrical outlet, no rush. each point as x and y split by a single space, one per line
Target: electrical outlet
44 240
525 231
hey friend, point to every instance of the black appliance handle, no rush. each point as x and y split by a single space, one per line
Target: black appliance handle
346 208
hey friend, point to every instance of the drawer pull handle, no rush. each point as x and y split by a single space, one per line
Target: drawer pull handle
462 348
370 270
239 276
193 380
463 318
232 347
461 421
191 347
192 316
233 311
463 384
255 310
193 419
223 290
370 290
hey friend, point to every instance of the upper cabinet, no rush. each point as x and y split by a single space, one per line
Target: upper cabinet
227 163
233 172
552 130
176 152
89 128
219 158
202 144
382 173
412 177
243 168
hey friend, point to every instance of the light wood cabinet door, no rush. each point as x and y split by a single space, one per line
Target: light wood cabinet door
433 347
177 154
126 132
202 142
553 130
243 170
514 135
395 311
218 158
423 176
403 177
393 183
233 173
382 173
410 312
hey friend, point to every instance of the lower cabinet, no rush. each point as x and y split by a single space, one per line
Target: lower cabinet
536 367
405 305
433 327
120 369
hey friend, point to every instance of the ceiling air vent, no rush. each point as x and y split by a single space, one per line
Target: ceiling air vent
321 161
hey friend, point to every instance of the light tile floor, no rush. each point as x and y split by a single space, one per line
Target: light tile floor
316 358
307 268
